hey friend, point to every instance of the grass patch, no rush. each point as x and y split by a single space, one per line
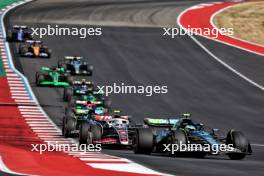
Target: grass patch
4 3
247 20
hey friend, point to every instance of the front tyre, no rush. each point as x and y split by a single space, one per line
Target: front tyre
69 125
239 141
85 136
143 141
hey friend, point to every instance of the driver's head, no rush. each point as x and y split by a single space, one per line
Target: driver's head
99 110
189 128
116 116
83 82
54 68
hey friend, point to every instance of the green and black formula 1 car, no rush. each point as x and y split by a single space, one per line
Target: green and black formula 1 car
78 113
179 136
78 88
53 77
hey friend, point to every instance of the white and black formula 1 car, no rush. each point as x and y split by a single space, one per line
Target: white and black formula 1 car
107 129
76 65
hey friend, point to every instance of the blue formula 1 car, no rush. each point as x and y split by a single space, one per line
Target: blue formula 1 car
177 136
78 88
76 66
19 34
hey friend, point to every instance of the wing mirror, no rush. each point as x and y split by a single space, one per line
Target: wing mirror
214 131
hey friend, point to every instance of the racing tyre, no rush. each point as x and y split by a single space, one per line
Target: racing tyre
9 36
48 51
85 136
61 64
143 141
69 124
96 132
72 100
39 78
107 104
70 79
239 141
178 137
90 69
22 51
67 93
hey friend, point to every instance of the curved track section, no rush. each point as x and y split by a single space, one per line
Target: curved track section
141 55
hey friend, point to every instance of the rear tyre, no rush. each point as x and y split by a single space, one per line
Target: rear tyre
178 137
67 93
69 124
239 141
107 104
96 131
48 51
143 141
39 78
9 36
90 69
85 136
70 79
72 100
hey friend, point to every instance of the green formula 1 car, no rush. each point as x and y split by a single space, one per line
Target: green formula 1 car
53 77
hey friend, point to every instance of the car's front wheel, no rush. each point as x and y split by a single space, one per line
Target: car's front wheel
238 141
143 141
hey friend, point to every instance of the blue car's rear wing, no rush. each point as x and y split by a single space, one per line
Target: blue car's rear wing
161 122
73 57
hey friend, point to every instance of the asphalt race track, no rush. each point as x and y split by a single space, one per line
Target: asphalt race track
140 55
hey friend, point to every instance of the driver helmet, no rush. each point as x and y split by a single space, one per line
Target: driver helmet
83 82
99 110
189 128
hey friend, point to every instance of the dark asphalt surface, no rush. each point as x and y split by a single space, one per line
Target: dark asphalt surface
142 56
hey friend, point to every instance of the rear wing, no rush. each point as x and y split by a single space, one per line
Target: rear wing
161 122
80 82
33 41
80 102
19 27
73 57
47 69
103 118
108 117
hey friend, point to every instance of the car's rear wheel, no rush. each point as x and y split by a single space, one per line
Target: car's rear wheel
90 69
9 36
24 50
85 136
69 125
239 141
143 141
107 103
72 100
96 131
67 93
39 78
177 137
70 79
61 64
